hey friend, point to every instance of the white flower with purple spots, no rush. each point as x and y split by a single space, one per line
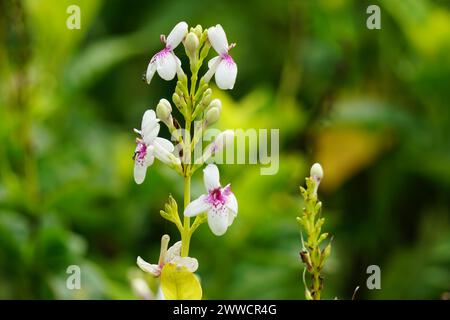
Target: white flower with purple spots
219 203
168 256
149 145
222 66
165 62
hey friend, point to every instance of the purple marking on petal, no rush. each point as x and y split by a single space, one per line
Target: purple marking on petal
217 197
161 54
227 190
228 59
141 151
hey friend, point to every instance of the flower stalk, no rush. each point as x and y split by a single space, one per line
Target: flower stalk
313 255
193 99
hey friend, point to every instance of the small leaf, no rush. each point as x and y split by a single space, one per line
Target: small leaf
179 284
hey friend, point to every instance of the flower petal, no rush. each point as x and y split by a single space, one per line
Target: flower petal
213 64
180 71
148 118
211 177
226 74
153 269
173 252
177 35
232 203
150 157
196 207
218 39
151 69
231 217
149 127
166 65
166 144
139 172
218 220
190 263
162 153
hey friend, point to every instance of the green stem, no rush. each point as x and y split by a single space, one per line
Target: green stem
186 234
316 286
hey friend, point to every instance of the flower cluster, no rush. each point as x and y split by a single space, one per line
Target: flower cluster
193 98
312 254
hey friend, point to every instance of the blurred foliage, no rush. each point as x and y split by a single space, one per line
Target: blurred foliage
370 105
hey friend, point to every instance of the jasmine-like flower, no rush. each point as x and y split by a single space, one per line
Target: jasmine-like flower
219 203
149 145
223 65
165 62
171 255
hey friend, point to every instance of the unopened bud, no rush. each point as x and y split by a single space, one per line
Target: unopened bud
212 115
206 99
191 43
316 171
327 251
198 30
216 103
163 109
176 99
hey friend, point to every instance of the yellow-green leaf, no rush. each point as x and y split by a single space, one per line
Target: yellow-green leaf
179 284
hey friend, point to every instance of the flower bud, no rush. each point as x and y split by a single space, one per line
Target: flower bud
316 171
163 109
191 43
206 99
216 103
198 30
212 115
176 99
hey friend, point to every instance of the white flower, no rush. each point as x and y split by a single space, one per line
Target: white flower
223 65
219 203
171 256
149 145
165 62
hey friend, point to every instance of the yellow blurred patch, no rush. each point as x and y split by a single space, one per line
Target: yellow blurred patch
432 35
345 151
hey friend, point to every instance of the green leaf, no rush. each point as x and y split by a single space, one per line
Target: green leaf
179 284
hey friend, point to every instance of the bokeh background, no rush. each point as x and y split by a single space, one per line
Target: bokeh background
371 105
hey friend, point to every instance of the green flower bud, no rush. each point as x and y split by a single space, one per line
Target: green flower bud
212 115
322 237
163 109
206 99
327 251
191 43
176 99
198 30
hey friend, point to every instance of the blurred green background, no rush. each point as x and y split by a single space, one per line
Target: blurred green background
371 105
